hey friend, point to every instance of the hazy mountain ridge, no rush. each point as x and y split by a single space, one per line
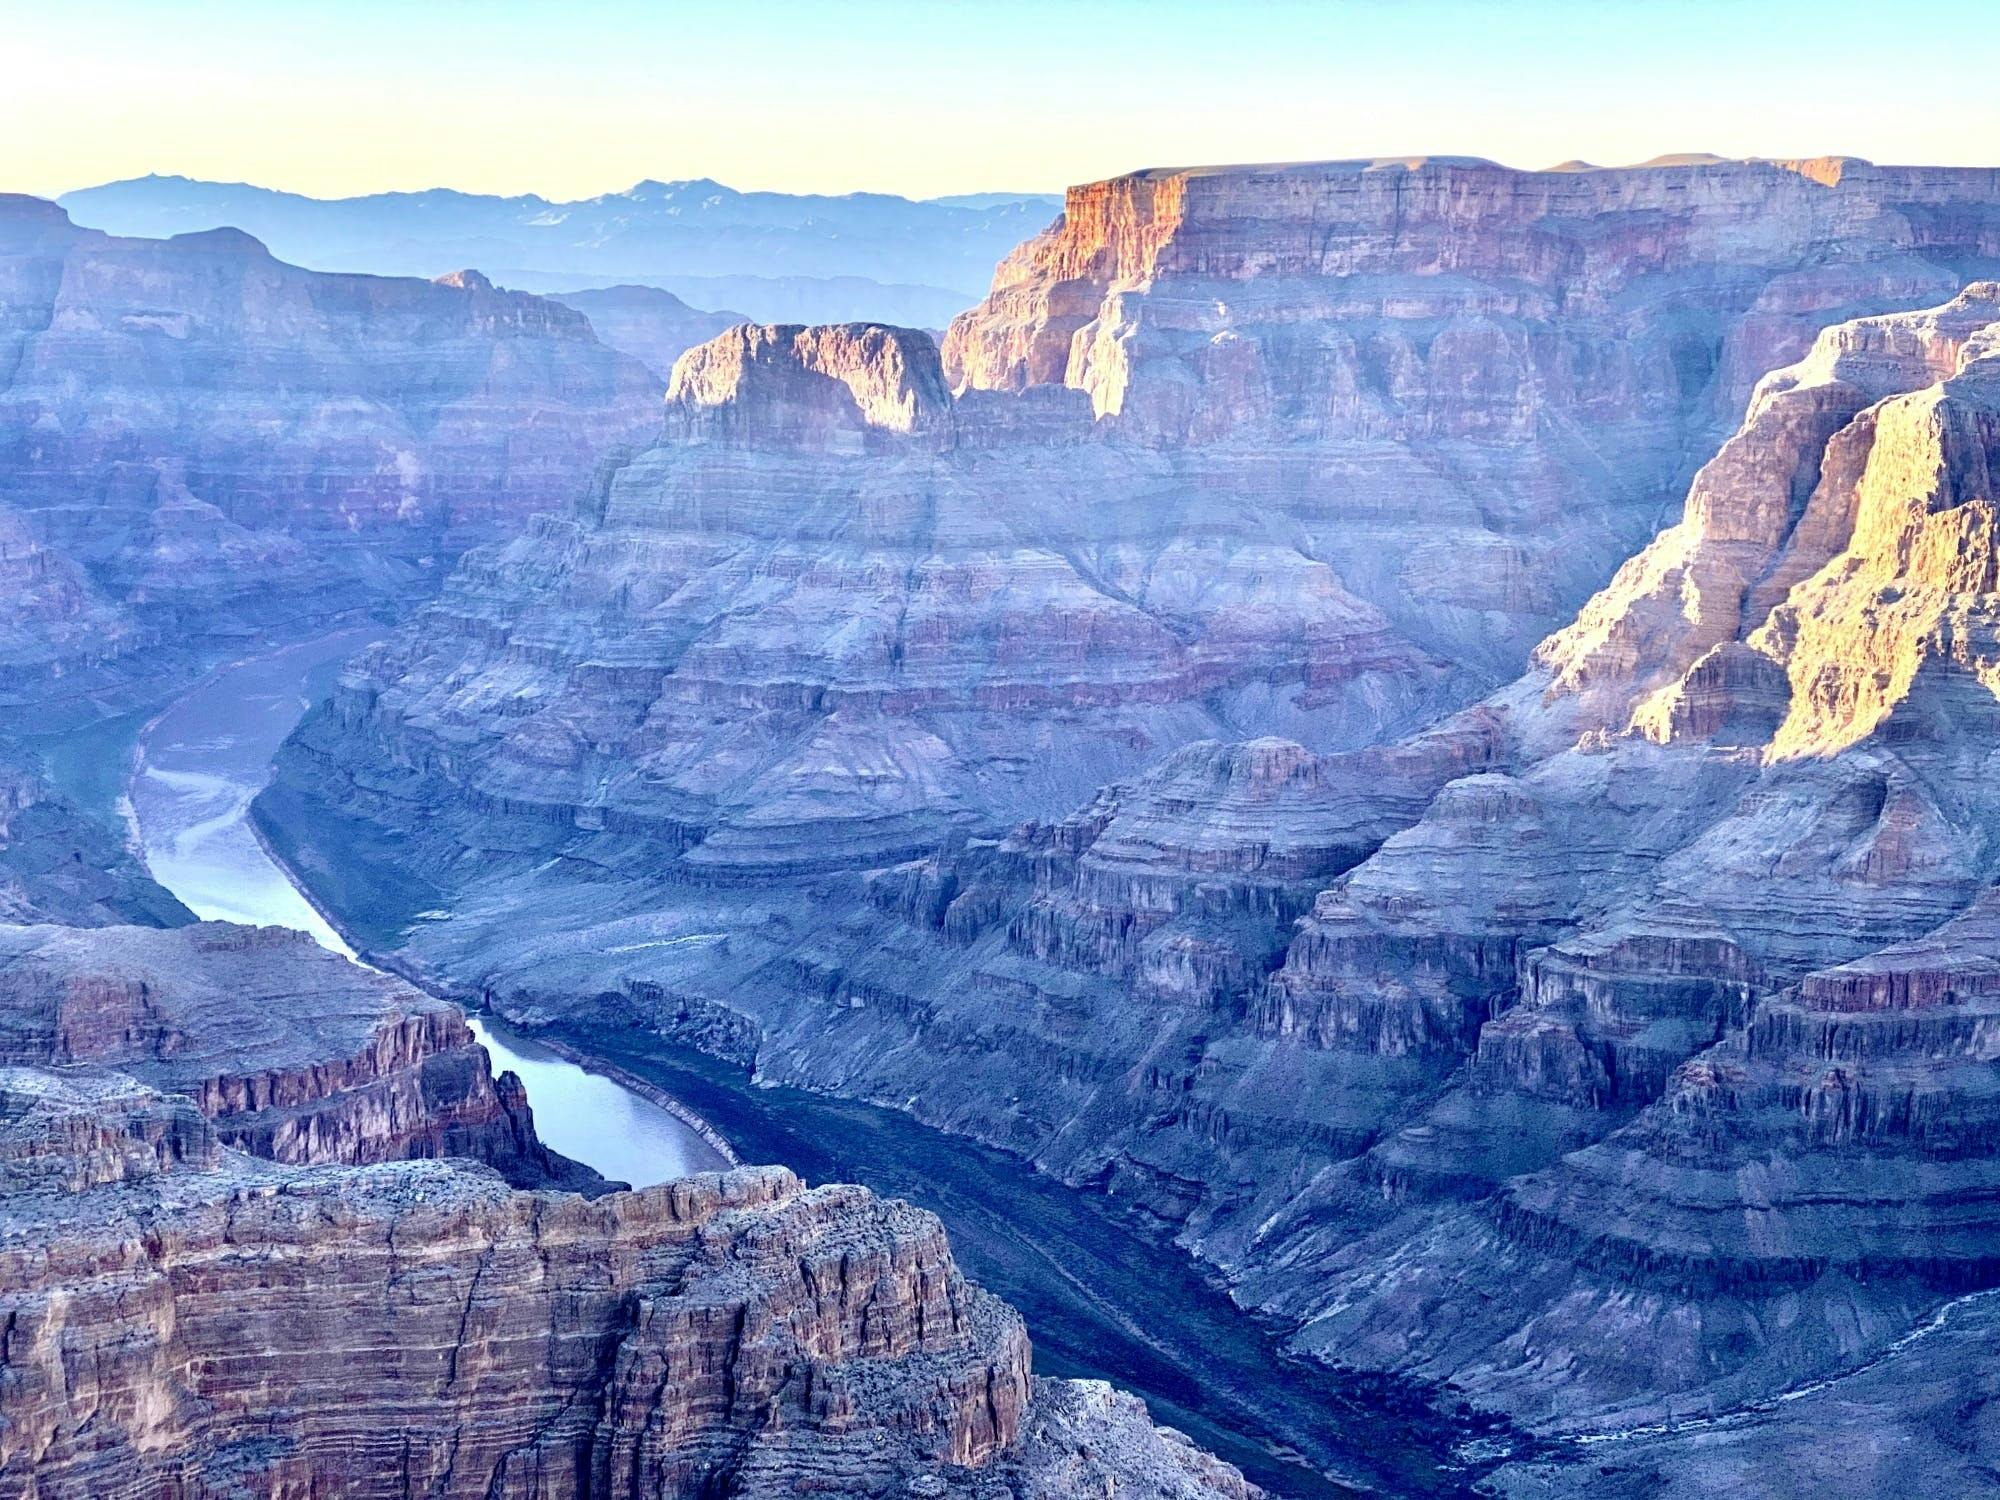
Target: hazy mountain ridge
934 255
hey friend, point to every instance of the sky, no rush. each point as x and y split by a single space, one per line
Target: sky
336 97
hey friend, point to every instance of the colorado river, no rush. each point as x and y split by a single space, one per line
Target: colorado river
199 765
1101 1299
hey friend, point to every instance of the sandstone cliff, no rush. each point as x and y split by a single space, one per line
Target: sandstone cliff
293 1053
186 1319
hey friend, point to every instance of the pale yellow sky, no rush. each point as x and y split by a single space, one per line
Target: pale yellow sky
350 96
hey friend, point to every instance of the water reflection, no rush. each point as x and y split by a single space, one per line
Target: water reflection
592 1119
203 761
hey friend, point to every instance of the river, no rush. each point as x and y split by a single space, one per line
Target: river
199 765
1101 1299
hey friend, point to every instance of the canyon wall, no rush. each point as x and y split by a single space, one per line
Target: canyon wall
1319 451
292 1053
186 1319
199 442
1609 1048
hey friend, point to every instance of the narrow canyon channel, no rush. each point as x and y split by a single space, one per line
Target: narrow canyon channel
1102 1300
198 766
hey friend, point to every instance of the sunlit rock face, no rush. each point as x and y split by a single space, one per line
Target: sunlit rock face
190 1319
212 441
1834 559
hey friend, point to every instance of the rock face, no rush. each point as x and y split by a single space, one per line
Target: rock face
835 615
1536 339
185 1318
293 1053
1613 1048
1315 451
197 440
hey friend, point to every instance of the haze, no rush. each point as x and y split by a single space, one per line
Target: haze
362 96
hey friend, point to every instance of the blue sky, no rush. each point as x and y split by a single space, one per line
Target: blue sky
344 96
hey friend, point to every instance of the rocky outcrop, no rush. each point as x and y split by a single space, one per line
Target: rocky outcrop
1852 469
199 440
799 388
293 1053
185 1318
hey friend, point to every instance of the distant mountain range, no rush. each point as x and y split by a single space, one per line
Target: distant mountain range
776 256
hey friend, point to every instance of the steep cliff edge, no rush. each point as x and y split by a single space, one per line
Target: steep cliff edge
184 1318
291 1052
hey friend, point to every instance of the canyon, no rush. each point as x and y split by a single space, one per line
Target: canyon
201 446
1404 741
1186 730
236 1165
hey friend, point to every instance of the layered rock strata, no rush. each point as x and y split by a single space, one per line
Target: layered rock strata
184 1318
293 1053
835 615
201 441
1626 1066
839 613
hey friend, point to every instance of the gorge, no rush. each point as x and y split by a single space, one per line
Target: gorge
795 726
1369 785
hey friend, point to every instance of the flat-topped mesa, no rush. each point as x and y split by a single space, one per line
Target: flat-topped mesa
295 1054
1835 562
835 387
1148 280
